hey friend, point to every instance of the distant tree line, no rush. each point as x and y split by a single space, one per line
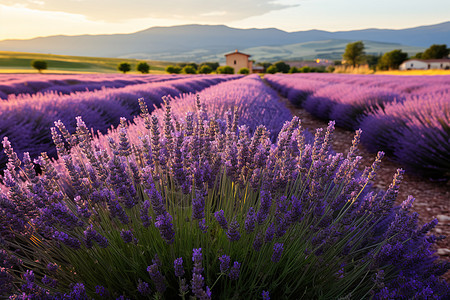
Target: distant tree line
355 55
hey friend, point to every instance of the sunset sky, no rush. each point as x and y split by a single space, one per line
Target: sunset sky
21 19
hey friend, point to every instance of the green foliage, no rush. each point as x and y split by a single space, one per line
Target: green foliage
418 55
354 53
305 69
392 60
173 69
282 67
205 69
225 70
39 65
143 67
244 71
272 69
294 70
330 69
189 69
265 65
212 65
372 60
436 52
124 67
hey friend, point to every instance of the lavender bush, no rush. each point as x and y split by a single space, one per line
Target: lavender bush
27 119
196 209
405 116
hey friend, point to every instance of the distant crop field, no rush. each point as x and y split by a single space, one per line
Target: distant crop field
20 62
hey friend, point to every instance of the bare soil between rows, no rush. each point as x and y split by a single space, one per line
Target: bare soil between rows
431 198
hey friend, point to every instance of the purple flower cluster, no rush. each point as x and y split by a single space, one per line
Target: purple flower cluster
405 116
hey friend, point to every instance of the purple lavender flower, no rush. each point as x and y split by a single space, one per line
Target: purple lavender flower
116 210
198 207
52 267
165 226
220 217
258 241
250 220
266 202
277 251
178 266
126 235
101 291
265 295
157 278
233 234
143 288
234 271
197 259
224 263
78 292
155 199
202 225
50 282
270 233
197 283
145 218
67 240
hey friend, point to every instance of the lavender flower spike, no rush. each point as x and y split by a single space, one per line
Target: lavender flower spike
219 215
234 272
178 266
277 251
165 226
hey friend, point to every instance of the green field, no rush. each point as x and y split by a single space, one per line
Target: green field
20 62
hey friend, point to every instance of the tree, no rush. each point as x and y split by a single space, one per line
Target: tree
124 67
305 69
272 69
392 60
39 65
173 69
143 67
244 71
418 55
372 61
293 70
189 69
212 65
436 52
205 69
225 70
282 67
354 53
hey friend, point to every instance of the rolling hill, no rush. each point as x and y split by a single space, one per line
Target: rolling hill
210 42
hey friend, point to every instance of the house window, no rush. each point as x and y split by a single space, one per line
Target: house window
429 66
441 66
235 62
412 65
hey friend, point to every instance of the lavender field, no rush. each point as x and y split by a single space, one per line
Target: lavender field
206 187
408 117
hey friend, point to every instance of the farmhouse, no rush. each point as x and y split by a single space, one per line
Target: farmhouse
238 60
425 64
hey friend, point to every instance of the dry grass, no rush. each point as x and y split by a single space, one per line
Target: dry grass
415 72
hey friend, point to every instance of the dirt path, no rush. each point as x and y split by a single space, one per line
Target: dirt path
432 198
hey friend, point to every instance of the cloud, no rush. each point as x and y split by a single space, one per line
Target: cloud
213 11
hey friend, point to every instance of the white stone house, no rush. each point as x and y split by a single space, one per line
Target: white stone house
425 64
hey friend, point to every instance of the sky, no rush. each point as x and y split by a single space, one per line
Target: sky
23 19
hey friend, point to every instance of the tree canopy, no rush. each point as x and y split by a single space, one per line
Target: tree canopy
354 53
392 60
124 67
225 70
39 65
436 52
143 67
282 67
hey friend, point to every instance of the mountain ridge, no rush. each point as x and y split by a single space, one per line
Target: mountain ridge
194 42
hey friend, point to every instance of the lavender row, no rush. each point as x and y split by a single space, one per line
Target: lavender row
12 85
194 209
407 117
27 119
254 102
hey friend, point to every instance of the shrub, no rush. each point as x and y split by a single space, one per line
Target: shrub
294 70
244 71
225 70
272 69
173 69
143 67
188 70
124 67
238 217
39 65
205 69
282 67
